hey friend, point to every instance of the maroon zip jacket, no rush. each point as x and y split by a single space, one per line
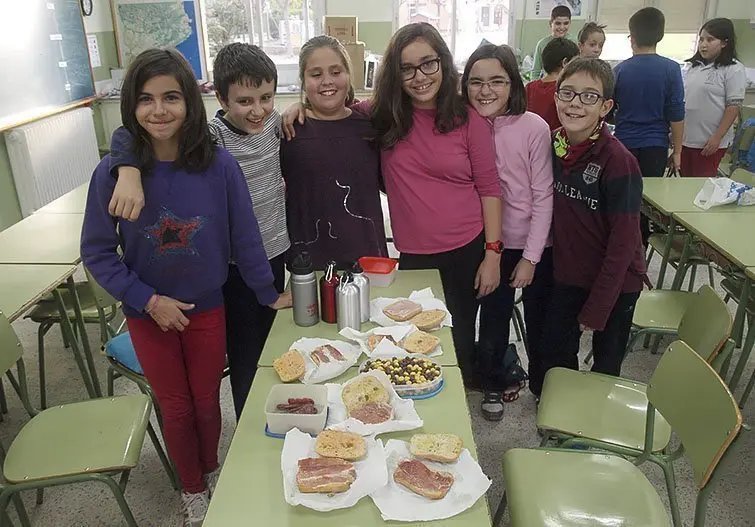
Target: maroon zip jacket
597 244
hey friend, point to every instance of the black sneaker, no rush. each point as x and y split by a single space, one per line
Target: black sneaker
492 406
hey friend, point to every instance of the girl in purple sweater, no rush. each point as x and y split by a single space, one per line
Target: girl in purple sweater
493 86
173 259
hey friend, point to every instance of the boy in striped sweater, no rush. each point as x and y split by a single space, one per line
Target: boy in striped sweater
597 245
249 127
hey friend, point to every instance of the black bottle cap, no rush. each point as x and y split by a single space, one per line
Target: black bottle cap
357 268
302 264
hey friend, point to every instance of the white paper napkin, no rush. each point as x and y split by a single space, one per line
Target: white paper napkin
371 473
313 373
424 297
386 348
398 503
405 417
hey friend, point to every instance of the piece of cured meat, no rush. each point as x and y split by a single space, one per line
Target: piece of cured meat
325 475
418 478
372 413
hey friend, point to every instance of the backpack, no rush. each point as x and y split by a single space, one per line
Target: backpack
503 371
743 148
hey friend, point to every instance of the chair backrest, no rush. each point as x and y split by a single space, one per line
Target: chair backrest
697 404
102 298
10 346
743 176
706 324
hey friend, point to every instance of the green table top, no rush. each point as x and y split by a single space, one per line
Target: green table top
250 489
21 286
672 194
284 332
730 234
43 239
72 202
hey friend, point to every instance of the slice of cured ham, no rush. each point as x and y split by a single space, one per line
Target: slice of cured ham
326 475
372 413
417 477
402 310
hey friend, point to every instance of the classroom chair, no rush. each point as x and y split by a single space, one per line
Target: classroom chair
657 244
576 488
743 139
94 440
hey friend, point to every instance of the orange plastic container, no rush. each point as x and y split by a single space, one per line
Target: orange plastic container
380 271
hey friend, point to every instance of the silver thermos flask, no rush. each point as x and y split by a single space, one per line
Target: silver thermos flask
304 291
347 303
363 283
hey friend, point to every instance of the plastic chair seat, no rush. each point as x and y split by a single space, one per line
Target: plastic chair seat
121 349
661 309
101 435
567 488
733 288
599 407
47 309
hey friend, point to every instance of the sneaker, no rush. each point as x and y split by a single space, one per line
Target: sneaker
492 406
195 507
211 480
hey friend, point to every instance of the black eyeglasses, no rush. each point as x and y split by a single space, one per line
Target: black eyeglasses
588 98
495 85
428 67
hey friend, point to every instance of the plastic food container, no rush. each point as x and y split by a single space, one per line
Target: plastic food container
402 388
380 271
279 422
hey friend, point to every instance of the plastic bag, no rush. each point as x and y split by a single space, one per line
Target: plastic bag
723 191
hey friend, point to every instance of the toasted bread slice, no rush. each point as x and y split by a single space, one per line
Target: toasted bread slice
374 340
429 319
402 310
289 366
366 389
343 445
444 448
420 342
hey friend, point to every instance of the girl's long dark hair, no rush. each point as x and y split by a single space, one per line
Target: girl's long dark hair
723 30
517 104
392 107
195 150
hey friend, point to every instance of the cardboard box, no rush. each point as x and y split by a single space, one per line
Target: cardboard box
356 54
344 28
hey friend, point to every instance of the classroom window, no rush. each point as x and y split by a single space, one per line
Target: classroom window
463 30
279 27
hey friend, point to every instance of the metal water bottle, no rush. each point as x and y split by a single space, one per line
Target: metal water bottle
347 303
363 283
328 286
304 291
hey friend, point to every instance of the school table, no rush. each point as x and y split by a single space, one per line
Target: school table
284 332
662 197
250 488
725 239
22 286
72 202
51 239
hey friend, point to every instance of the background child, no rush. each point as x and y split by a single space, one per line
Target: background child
559 24
493 86
714 86
598 261
541 93
591 39
174 261
333 201
649 100
248 126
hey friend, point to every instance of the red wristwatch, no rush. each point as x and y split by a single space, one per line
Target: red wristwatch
496 247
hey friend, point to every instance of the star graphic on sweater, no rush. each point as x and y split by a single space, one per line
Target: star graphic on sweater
172 235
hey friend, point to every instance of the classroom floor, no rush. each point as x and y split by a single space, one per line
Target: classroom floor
156 504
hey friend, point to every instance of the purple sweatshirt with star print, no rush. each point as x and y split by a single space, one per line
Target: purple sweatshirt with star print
192 225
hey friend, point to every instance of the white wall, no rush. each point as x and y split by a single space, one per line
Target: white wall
736 9
364 10
101 18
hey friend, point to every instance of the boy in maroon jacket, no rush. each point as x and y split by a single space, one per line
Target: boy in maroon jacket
597 245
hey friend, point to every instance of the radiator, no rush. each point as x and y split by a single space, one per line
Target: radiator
52 156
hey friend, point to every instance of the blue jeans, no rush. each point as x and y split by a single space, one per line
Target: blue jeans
498 307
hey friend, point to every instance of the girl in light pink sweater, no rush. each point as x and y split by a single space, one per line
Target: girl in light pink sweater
493 86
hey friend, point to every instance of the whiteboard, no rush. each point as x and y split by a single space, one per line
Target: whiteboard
43 58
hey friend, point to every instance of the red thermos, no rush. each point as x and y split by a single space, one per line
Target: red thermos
328 284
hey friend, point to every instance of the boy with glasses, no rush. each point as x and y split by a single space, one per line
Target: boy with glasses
597 248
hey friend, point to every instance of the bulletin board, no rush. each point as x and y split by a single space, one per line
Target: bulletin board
543 8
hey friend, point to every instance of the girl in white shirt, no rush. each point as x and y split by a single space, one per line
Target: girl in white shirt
714 89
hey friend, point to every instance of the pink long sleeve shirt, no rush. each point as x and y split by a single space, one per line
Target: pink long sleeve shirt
525 168
435 181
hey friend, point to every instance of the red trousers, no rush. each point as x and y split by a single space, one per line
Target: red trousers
184 370
695 164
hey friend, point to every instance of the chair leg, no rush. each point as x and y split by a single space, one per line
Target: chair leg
710 275
522 330
668 474
692 276
3 401
21 510
40 496
110 382
169 469
41 332
746 350
516 326
121 499
500 511
5 497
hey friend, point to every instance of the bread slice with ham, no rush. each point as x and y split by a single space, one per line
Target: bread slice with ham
372 413
417 477
402 310
325 475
